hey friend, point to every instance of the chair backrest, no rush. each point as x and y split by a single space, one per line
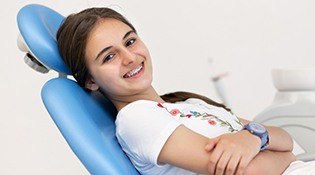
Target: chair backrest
86 120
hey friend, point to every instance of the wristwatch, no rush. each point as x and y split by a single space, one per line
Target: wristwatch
260 131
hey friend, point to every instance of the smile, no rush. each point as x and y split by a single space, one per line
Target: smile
134 72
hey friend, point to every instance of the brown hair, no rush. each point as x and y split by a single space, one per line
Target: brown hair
72 38
73 34
182 96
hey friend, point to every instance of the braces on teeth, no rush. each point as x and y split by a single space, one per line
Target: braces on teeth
133 72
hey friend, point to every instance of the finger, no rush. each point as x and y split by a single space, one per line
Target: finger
242 165
232 164
214 157
210 146
222 163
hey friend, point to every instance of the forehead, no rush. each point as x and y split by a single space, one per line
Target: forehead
108 28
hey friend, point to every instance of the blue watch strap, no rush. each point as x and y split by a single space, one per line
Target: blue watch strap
264 141
260 131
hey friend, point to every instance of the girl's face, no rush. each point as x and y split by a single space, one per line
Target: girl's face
118 61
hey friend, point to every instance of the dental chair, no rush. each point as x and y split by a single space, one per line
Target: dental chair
85 119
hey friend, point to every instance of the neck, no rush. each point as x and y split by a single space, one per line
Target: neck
149 94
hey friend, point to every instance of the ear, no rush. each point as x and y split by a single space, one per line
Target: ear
90 84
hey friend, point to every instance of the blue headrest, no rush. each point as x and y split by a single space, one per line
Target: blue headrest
87 122
40 38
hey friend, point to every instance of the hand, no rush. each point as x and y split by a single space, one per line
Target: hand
231 153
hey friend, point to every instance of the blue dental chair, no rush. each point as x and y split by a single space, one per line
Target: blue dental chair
86 120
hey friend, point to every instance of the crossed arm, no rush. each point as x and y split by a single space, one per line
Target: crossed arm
235 153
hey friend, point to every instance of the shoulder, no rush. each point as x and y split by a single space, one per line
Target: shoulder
142 128
139 105
142 113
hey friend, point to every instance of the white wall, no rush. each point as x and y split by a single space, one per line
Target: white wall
246 38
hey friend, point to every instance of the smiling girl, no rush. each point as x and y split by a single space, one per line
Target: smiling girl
178 133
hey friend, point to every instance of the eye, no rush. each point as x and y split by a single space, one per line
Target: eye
130 42
108 58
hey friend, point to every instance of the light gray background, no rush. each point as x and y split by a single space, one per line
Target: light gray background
245 38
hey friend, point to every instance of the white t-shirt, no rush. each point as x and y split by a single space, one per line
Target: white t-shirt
143 127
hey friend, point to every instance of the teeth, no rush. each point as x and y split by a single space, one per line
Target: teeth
134 71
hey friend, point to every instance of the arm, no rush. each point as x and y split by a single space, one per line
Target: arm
185 149
225 159
279 139
269 162
232 153
244 160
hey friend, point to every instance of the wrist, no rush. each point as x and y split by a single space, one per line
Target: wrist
260 132
252 137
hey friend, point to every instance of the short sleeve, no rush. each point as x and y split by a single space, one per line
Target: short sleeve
142 129
228 116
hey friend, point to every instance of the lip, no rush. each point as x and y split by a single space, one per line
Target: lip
138 74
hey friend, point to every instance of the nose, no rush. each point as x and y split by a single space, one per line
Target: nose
127 57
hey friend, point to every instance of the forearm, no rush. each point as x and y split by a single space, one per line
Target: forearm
270 163
279 139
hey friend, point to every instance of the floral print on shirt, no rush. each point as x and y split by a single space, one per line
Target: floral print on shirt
212 119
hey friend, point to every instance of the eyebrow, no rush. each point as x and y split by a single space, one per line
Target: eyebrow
107 48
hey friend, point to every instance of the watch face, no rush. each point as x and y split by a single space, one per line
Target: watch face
257 127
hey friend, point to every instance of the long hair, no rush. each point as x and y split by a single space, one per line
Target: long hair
72 37
182 96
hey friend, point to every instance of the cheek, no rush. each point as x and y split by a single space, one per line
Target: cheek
141 49
106 77
146 51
